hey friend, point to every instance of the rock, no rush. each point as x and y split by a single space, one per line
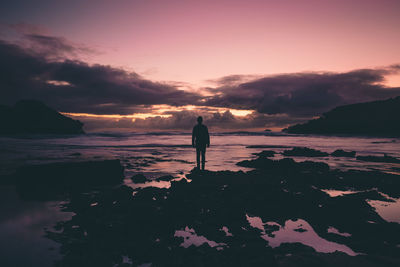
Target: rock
139 178
379 118
266 153
34 117
385 158
267 146
284 165
105 172
314 166
342 153
165 178
304 152
54 180
105 222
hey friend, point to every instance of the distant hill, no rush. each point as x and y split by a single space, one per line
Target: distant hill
380 118
34 117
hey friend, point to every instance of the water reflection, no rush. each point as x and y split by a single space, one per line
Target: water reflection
191 238
154 183
389 211
297 231
226 231
173 153
335 231
22 230
338 193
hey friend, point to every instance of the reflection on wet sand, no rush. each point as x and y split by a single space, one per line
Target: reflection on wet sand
335 231
191 238
338 193
23 225
388 210
296 231
154 183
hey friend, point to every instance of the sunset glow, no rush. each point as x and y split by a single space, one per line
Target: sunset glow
144 59
157 111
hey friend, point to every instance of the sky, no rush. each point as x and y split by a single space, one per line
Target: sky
157 64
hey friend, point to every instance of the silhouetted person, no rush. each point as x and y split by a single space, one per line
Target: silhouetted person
200 139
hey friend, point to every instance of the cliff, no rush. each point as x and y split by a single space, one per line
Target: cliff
34 117
378 118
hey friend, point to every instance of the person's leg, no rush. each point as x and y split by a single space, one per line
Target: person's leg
203 158
198 157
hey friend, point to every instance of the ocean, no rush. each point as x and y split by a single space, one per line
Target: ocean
176 154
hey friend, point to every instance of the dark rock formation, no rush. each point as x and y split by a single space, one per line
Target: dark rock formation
304 152
267 146
385 158
49 181
266 153
34 117
342 153
284 165
165 178
105 172
138 178
371 118
111 225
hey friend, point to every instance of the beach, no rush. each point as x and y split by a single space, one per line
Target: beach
283 207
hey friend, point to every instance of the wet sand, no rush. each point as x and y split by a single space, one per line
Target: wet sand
269 210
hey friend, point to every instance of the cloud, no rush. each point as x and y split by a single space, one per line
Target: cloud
216 121
302 94
231 80
75 86
55 48
36 40
46 68
185 120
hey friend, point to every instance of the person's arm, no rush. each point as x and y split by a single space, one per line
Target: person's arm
193 136
208 137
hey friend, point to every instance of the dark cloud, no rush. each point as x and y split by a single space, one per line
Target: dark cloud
55 48
44 68
36 40
234 79
75 86
302 94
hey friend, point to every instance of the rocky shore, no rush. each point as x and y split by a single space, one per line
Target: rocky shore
278 213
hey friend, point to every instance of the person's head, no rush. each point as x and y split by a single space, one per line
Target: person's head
199 120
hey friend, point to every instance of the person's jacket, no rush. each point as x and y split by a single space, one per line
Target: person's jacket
200 136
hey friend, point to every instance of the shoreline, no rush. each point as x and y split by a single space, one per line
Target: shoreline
278 207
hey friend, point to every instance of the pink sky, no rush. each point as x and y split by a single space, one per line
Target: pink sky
193 41
273 46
